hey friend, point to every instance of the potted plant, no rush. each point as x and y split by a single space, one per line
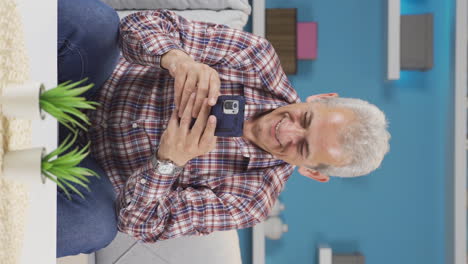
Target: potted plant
63 170
28 99
26 165
21 100
62 101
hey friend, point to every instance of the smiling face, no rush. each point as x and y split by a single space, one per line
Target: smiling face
302 134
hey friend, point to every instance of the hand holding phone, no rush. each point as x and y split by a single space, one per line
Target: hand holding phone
180 144
229 112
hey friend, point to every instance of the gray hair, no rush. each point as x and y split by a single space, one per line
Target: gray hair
366 139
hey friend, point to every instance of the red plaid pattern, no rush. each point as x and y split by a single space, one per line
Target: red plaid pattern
232 187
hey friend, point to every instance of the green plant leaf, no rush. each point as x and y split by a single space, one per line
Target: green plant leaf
46 165
69 160
62 117
72 151
74 189
58 172
66 89
57 181
54 111
76 123
80 176
57 91
65 83
81 171
78 105
69 86
70 102
63 100
77 181
64 175
48 175
62 187
85 148
72 158
91 172
73 111
72 129
62 147
79 124
77 91
78 114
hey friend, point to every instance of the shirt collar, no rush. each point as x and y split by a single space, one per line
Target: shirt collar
249 150
258 158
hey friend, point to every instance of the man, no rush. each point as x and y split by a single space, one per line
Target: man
171 180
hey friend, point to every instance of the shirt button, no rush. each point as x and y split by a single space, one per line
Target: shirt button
142 181
164 126
135 125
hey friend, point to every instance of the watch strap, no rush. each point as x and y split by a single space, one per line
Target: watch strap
156 162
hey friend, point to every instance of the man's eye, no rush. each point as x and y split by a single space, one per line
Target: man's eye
302 148
304 120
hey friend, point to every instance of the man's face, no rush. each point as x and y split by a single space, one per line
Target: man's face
302 134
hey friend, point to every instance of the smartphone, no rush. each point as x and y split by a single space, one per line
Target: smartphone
229 112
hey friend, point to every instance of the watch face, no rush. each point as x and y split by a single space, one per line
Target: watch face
165 168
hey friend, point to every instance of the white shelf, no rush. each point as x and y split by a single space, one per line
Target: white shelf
258 243
325 255
457 224
393 39
258 17
40 28
258 231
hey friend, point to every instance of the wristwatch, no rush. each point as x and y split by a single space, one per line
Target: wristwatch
166 167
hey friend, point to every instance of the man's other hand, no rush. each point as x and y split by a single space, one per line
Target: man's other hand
191 76
179 143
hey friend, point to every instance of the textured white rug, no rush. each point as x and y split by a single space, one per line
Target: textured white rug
16 134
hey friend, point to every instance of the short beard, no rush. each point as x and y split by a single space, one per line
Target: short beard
259 115
256 117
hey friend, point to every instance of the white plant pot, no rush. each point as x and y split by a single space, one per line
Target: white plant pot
274 228
21 100
24 166
277 208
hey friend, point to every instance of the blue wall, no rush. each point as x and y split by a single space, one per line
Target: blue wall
396 214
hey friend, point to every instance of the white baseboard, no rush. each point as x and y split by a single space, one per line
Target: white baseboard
77 259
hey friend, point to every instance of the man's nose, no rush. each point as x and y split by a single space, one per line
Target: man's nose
293 132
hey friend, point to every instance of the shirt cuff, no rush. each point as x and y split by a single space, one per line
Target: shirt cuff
152 185
159 46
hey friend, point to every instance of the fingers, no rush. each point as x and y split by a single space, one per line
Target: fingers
202 92
183 101
189 87
208 139
195 77
202 118
186 116
180 77
214 89
174 120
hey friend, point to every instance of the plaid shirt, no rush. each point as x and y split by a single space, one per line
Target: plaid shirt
232 187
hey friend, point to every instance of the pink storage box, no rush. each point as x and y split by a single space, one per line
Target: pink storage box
307 40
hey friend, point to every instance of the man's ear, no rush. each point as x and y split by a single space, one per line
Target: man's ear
312 97
313 174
